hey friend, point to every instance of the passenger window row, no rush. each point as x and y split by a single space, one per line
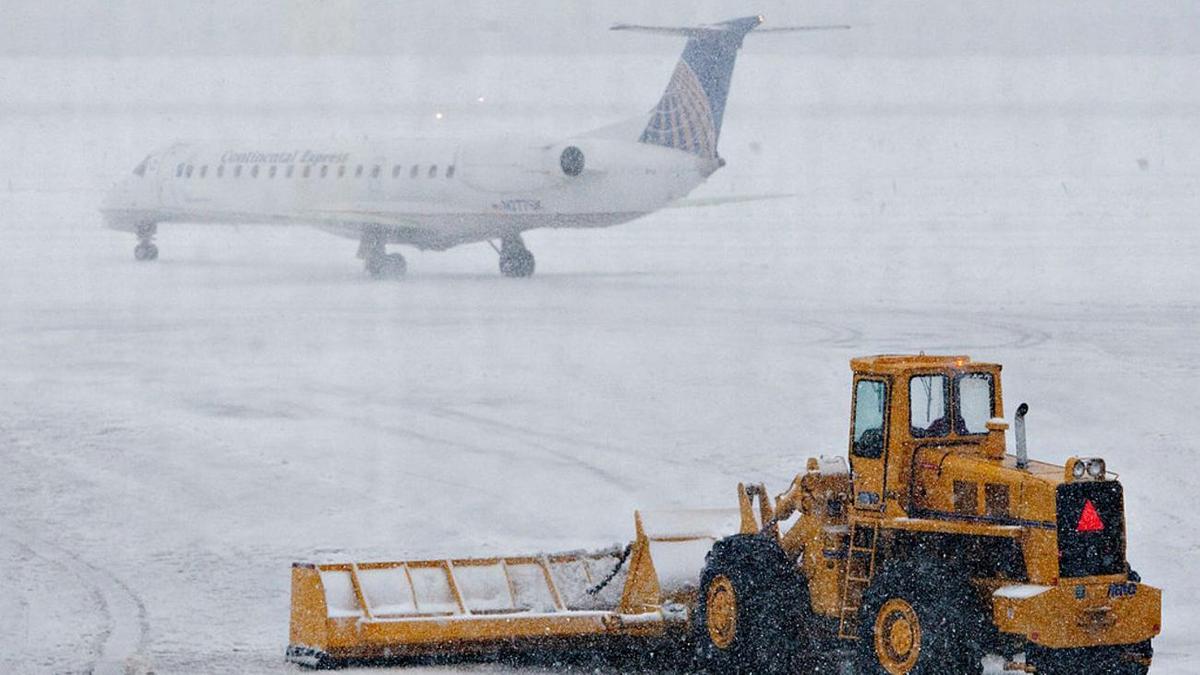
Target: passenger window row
272 171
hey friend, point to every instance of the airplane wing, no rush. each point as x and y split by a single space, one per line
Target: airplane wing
730 199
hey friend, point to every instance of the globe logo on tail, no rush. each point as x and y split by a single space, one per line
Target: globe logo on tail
683 118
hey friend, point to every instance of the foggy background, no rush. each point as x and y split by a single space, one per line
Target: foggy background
1018 181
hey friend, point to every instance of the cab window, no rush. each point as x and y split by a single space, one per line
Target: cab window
976 402
927 406
870 398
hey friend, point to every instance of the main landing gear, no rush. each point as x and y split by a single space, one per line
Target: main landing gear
515 259
146 250
377 261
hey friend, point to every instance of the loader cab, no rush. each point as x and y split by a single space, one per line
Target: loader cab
904 403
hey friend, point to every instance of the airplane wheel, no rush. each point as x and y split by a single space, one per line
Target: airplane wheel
145 251
387 266
517 264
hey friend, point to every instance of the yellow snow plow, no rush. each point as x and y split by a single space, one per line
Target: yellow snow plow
924 550
349 612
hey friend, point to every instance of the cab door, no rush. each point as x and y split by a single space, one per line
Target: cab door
868 440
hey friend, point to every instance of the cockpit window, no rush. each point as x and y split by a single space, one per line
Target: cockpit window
140 169
927 406
976 403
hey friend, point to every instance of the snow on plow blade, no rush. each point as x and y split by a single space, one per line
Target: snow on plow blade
379 610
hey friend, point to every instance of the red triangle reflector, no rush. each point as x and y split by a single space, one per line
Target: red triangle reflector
1089 520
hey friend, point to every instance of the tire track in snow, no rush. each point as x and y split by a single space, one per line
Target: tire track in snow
529 432
19 656
119 646
121 643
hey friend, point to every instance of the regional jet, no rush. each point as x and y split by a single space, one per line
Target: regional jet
436 194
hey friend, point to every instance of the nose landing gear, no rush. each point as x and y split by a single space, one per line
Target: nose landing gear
145 249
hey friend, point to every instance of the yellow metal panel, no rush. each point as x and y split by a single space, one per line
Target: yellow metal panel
309 612
642 592
1058 617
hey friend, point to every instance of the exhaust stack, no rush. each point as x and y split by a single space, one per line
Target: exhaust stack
1019 429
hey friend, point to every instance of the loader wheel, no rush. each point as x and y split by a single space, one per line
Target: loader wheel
1122 660
751 610
919 618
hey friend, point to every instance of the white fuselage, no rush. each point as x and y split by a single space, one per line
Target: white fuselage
431 194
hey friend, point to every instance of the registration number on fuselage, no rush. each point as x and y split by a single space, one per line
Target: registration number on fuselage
518 205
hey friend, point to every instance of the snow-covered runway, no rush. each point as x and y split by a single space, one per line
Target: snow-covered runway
176 434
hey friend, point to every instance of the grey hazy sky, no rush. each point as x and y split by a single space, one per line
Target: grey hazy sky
463 27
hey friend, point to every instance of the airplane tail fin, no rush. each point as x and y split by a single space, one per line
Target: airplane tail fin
688 116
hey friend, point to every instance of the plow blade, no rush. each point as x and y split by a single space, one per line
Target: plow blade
381 610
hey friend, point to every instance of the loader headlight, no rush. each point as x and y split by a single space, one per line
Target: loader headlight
1086 468
1078 469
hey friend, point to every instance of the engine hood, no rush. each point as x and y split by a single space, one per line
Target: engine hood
969 486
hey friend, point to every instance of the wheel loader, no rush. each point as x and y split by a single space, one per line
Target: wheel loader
929 548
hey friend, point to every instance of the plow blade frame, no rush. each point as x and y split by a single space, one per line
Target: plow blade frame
382 610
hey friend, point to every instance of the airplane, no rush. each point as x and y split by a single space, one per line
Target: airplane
435 194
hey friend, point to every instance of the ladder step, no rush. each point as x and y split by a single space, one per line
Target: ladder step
860 560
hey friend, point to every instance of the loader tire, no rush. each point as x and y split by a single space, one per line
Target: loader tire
751 609
921 617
